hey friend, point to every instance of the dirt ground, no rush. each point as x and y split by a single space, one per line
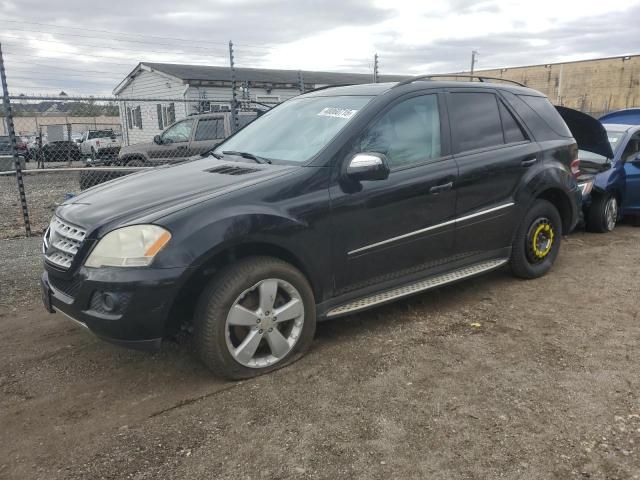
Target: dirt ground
546 387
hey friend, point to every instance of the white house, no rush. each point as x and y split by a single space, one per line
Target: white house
155 95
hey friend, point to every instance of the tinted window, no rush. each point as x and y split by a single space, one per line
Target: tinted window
101 134
512 131
475 121
548 113
406 134
210 129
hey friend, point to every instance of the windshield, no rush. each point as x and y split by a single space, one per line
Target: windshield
296 130
614 140
100 134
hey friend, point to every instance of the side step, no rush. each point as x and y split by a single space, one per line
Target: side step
413 288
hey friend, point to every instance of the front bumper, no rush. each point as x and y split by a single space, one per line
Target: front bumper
129 307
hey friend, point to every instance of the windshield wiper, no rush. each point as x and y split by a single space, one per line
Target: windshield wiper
215 155
247 155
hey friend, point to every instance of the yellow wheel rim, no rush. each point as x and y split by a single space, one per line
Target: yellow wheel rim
542 240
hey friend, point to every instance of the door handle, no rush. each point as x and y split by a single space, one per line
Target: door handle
182 147
441 188
527 162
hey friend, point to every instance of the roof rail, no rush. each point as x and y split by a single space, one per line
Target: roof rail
481 78
331 86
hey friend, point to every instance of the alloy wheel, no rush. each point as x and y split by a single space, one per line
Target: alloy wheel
611 213
264 323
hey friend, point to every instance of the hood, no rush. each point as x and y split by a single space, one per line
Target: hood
150 194
627 116
589 133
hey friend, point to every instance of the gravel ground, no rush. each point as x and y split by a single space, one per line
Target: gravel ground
489 378
44 192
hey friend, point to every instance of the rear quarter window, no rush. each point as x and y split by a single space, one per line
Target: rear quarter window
547 112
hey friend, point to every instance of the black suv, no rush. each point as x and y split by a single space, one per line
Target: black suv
333 202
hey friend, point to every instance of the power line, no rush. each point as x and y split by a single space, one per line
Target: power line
164 52
111 32
65 34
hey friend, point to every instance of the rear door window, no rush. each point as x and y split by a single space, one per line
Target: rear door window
475 121
209 129
512 131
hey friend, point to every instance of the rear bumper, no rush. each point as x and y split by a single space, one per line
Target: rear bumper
128 308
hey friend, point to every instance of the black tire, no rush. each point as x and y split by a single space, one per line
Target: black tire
135 162
220 295
603 213
540 227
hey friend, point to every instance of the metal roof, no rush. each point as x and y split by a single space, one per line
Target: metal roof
265 75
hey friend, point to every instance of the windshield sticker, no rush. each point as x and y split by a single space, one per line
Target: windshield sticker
337 112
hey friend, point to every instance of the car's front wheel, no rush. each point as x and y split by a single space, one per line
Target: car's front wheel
537 241
603 214
255 316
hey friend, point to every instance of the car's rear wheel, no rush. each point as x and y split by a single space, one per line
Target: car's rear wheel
537 241
603 213
255 316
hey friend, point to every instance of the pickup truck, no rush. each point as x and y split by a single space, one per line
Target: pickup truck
98 144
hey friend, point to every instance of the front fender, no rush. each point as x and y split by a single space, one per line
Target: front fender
235 228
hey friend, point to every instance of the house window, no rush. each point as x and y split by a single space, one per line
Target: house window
137 117
166 115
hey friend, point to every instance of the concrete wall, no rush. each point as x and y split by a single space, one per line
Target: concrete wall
593 86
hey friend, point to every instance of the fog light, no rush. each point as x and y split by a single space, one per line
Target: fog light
109 302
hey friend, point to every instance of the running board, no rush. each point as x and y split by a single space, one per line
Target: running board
413 288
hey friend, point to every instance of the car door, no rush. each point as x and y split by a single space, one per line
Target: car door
493 152
631 158
388 229
174 141
209 132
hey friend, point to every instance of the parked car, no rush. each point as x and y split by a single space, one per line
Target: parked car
59 151
616 186
183 139
5 145
96 144
331 203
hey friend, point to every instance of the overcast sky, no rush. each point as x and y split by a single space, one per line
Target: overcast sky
95 44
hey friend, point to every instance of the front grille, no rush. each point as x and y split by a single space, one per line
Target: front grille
61 242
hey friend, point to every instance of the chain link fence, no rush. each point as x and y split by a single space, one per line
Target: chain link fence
61 155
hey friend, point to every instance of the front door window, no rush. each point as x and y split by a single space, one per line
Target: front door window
180 132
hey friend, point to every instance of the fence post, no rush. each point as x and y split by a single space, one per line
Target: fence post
12 136
300 82
234 100
375 68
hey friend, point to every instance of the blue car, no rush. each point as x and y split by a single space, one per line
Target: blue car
615 192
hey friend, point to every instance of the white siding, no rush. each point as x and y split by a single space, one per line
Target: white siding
158 86
149 85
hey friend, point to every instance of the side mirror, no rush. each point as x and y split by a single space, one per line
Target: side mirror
368 166
636 160
157 140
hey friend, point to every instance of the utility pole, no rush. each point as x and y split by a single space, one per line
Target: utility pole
234 98
300 82
14 149
474 55
375 68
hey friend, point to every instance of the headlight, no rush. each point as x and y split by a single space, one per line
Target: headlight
134 246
